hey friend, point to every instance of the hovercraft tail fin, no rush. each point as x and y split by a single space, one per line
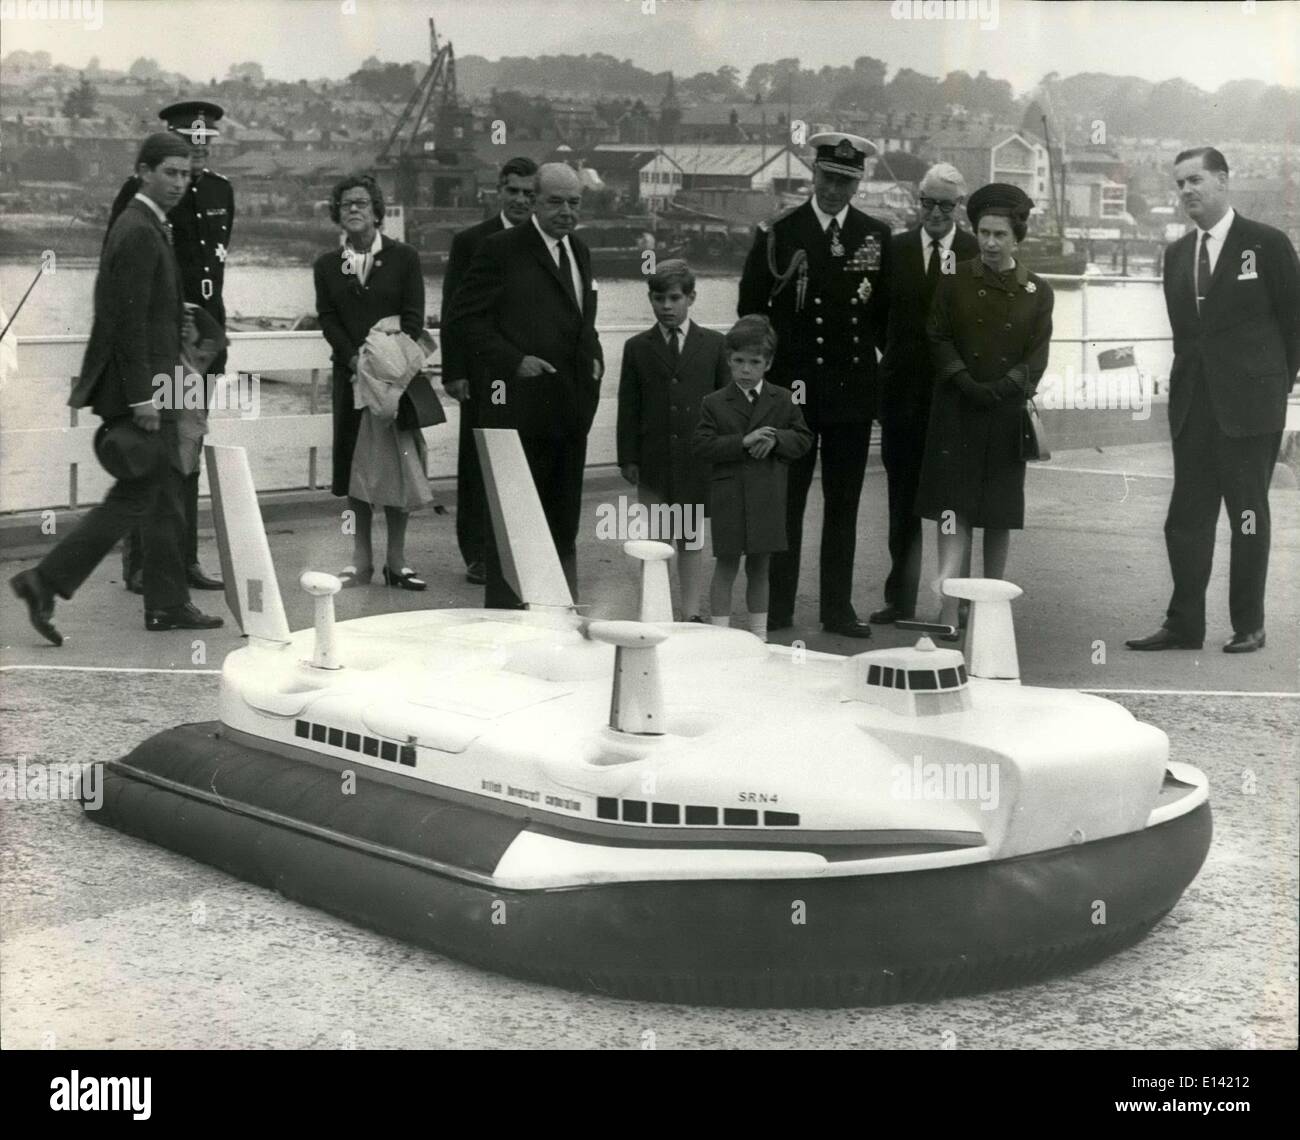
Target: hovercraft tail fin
252 591
528 557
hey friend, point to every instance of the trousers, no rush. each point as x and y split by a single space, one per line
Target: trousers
155 504
1211 469
843 450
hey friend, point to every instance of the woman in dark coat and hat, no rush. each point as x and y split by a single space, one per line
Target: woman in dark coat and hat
990 331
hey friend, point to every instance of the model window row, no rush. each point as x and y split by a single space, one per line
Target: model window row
641 811
355 742
916 679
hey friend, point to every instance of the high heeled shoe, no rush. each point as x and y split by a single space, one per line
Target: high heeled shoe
350 576
403 579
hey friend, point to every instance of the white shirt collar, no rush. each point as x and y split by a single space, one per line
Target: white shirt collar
1220 229
757 389
685 326
552 242
157 209
945 242
505 222
824 219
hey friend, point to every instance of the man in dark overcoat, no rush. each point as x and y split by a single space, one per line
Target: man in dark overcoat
516 189
920 256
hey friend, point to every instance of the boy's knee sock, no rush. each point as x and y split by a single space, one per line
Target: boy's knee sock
722 621
758 626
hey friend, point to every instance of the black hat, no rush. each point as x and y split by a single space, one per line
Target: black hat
193 118
841 153
1002 197
127 451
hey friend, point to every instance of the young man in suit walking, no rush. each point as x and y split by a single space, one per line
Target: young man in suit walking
516 189
135 338
202 223
919 256
1232 289
528 311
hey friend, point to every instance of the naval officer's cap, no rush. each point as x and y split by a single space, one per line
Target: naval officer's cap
194 118
839 153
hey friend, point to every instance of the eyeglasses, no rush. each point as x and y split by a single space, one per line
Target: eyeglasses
928 204
354 204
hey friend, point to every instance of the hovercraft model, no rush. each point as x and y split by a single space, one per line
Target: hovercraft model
666 811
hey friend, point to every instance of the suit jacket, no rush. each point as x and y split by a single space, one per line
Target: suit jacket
136 333
906 371
456 357
826 339
1245 341
659 406
202 222
348 310
511 305
747 495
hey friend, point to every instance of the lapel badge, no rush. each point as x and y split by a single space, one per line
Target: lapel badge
1030 287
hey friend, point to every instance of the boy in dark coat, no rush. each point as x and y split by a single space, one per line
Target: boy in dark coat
750 431
667 372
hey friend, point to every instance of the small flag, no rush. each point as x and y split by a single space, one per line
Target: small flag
1116 357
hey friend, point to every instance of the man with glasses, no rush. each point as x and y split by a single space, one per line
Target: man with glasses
920 255
516 189
527 311
820 273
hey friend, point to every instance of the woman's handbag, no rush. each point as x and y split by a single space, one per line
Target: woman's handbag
1033 439
419 406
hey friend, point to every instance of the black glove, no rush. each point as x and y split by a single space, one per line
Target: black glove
979 394
1008 388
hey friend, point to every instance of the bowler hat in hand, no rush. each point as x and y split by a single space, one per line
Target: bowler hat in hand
127 451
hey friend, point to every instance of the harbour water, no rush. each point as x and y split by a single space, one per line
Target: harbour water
61 303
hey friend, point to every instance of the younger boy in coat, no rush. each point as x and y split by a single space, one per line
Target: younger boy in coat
667 371
750 431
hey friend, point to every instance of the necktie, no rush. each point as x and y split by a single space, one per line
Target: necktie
1202 269
751 396
674 347
833 233
932 270
566 275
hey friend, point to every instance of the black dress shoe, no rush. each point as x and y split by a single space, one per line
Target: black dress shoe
188 616
200 581
31 587
1162 639
1245 642
888 616
850 628
476 574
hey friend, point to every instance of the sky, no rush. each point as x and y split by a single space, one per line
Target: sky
1016 40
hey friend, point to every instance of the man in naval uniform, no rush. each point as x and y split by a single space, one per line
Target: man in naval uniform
201 225
820 272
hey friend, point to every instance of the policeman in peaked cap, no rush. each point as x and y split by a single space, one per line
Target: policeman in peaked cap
819 271
201 225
